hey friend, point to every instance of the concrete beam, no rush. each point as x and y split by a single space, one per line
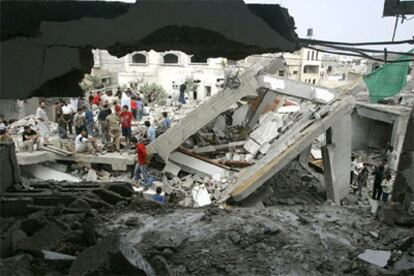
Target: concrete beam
215 148
265 98
284 150
297 89
337 159
376 114
205 113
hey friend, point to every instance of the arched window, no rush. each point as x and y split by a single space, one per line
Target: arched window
139 58
170 58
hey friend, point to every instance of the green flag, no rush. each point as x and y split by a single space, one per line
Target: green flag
387 80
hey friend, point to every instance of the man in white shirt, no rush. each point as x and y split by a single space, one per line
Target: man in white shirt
84 143
43 123
68 111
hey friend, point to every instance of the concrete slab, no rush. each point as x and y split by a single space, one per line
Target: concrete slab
376 257
172 168
193 165
36 157
45 173
205 113
286 148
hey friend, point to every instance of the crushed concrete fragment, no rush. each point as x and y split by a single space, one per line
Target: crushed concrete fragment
376 257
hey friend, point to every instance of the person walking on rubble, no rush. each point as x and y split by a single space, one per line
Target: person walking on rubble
141 167
151 134
43 123
362 178
379 177
181 98
113 126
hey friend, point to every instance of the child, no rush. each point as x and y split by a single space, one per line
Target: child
126 118
158 197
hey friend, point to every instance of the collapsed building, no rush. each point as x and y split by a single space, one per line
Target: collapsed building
223 152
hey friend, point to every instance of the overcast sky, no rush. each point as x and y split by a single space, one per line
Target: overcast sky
345 20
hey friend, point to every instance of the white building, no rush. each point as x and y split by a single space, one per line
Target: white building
168 69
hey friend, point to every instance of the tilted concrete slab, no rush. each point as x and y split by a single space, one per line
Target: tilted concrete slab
297 89
205 113
36 157
286 148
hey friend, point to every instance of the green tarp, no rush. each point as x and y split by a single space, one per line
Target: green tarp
387 80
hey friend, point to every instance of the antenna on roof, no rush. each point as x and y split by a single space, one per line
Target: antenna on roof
309 33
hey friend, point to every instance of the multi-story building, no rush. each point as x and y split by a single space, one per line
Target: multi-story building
168 69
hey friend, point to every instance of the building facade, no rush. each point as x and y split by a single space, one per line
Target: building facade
168 69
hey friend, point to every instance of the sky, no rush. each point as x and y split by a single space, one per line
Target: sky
345 20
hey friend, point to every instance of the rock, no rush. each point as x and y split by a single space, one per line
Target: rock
91 176
123 189
52 257
108 196
167 252
132 221
160 265
80 204
19 265
376 257
306 178
234 237
111 256
34 223
405 264
374 234
17 237
43 239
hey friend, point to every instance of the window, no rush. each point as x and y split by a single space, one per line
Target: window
313 55
317 55
281 73
311 69
170 59
195 59
308 55
295 72
329 69
313 81
139 58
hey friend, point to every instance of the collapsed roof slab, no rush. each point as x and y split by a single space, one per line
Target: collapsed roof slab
205 113
297 89
285 149
56 55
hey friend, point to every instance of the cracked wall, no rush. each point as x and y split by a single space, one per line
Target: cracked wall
49 54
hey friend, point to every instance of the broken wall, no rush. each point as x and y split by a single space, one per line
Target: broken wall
9 169
369 133
404 184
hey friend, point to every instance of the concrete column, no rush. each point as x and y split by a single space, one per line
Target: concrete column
265 98
9 169
303 158
337 159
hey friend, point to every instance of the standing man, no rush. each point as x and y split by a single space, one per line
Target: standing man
140 109
362 178
126 100
141 168
97 98
181 98
113 127
126 119
151 135
166 122
379 177
79 121
134 107
43 124
67 117
90 122
392 159
103 113
59 120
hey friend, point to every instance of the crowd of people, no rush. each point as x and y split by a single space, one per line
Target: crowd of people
384 175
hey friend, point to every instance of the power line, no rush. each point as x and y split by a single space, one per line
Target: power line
314 41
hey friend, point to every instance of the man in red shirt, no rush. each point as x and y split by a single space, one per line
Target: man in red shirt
134 107
141 168
126 119
97 98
